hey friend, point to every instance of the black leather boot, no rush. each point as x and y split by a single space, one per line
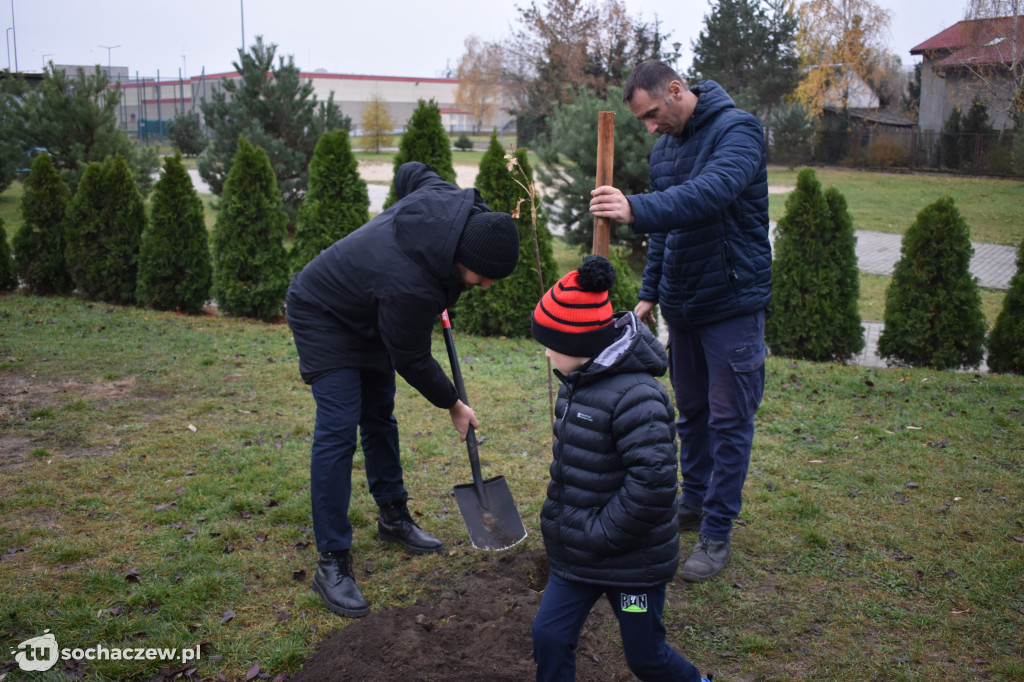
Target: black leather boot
336 585
395 524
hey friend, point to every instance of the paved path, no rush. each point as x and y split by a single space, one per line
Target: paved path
993 265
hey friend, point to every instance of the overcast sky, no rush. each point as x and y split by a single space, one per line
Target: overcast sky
419 38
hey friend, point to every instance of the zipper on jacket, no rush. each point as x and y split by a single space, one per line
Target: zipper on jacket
561 462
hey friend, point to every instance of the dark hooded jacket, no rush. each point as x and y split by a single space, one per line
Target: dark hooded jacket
709 258
610 513
371 299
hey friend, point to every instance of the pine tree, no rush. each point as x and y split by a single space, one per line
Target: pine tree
569 166
504 310
75 118
104 225
186 133
174 257
1006 343
816 283
250 266
39 244
749 48
425 141
276 109
8 277
933 312
337 202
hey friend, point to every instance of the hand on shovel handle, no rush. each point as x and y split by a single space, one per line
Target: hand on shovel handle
463 418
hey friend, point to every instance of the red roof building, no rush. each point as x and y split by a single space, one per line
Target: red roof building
981 58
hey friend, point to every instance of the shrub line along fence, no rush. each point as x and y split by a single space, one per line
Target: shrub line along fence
1000 154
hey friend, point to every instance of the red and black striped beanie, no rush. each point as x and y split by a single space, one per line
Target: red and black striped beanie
574 317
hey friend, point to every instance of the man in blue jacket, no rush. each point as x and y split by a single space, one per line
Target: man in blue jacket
362 310
709 271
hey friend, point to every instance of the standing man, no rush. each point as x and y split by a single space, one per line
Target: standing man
709 271
364 309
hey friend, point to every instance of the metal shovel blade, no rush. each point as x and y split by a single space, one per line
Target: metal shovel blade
491 518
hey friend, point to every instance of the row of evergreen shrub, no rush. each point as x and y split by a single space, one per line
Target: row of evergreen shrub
933 315
100 242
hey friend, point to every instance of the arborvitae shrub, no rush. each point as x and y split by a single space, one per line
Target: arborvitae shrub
933 312
815 280
250 266
175 269
463 144
1006 343
8 278
337 202
103 229
425 141
504 310
39 244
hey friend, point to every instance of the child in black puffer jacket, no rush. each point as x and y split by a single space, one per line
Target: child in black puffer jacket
609 521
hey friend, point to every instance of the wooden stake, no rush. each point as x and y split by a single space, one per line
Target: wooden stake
605 165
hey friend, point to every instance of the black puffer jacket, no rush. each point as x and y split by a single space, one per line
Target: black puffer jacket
610 516
370 300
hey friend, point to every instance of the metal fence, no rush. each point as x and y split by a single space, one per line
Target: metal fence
999 154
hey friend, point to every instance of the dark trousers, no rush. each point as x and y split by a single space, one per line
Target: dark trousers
717 372
566 605
347 401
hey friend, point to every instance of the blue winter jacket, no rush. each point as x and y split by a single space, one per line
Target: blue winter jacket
709 258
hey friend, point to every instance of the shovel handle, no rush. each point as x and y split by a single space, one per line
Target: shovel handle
460 386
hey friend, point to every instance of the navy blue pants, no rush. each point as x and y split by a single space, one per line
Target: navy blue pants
566 605
717 372
347 401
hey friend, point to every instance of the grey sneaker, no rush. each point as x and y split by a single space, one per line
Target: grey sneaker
689 517
708 559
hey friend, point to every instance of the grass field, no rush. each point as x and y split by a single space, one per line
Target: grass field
890 202
153 492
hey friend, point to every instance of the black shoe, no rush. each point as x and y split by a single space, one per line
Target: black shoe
689 517
396 525
336 585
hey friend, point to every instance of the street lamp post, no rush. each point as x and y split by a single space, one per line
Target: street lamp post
48 54
15 37
9 47
108 48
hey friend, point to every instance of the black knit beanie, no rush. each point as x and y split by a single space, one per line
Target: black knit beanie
574 317
489 245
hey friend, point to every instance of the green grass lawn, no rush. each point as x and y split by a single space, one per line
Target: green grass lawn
154 492
890 202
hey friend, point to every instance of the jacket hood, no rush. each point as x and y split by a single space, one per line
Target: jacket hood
429 218
636 350
711 99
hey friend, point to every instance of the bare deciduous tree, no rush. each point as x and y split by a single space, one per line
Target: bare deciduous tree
479 77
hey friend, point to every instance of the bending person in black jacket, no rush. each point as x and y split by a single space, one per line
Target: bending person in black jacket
609 521
362 310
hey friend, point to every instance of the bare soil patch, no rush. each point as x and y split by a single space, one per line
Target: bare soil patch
477 629
21 397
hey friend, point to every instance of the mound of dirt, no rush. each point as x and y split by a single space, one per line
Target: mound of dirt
478 629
